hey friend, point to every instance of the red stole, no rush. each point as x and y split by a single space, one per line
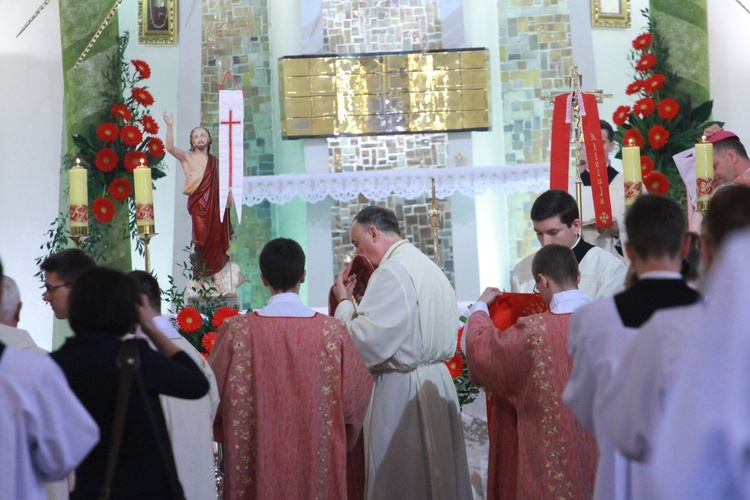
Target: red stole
597 160
210 235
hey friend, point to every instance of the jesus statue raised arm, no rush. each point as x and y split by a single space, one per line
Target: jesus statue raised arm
210 235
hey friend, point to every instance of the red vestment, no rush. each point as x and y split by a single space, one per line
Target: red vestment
550 455
294 392
210 235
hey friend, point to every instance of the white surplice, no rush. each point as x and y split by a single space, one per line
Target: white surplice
404 328
602 274
45 432
20 339
633 403
596 341
701 448
190 425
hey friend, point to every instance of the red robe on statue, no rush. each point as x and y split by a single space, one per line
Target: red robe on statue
549 454
210 235
294 392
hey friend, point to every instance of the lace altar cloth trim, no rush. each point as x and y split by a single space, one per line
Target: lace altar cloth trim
406 183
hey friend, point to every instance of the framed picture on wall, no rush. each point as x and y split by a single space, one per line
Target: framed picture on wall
610 13
157 21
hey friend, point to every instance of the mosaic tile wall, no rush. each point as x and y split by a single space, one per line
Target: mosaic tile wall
381 26
236 39
535 57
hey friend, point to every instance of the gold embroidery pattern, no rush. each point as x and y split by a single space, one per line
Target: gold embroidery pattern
240 378
543 372
329 360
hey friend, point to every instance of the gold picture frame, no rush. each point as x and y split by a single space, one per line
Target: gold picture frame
610 13
157 21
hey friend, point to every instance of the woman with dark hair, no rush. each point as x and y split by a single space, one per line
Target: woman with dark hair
104 306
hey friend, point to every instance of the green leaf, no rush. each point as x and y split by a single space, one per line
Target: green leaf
702 112
81 142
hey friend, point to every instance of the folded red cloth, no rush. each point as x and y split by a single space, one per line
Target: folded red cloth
508 307
362 268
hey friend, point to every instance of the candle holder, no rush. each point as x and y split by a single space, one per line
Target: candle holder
145 233
434 215
704 174
78 235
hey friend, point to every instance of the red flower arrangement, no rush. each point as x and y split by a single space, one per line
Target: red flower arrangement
120 189
656 183
143 69
456 365
106 160
125 136
108 132
647 165
189 320
104 209
200 324
662 121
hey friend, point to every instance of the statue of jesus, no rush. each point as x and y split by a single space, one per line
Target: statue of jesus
210 235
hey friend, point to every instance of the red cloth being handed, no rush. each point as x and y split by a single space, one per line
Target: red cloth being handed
362 268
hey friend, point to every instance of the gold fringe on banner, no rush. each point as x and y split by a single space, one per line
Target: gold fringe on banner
31 19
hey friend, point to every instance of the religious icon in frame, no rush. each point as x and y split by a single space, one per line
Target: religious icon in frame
157 21
610 13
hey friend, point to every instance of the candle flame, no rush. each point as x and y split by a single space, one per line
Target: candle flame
143 163
703 138
78 163
631 142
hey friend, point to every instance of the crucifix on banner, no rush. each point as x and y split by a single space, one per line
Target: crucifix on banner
575 121
231 147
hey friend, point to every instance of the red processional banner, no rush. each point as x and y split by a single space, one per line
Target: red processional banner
597 160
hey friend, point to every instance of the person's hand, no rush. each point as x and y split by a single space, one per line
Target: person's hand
489 295
343 287
145 315
711 130
168 119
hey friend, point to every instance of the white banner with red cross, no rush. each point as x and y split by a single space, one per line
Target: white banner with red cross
231 149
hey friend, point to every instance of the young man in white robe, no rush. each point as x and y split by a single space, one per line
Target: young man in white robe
634 402
555 218
405 326
190 422
600 332
45 432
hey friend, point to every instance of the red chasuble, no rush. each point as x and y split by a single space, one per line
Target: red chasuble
294 393
210 235
537 447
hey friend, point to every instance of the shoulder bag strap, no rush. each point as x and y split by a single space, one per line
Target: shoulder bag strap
127 360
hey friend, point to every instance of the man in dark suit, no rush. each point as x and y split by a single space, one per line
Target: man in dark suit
600 332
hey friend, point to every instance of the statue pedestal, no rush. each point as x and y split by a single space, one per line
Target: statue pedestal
222 284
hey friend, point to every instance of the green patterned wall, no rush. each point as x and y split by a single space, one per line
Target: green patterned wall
236 39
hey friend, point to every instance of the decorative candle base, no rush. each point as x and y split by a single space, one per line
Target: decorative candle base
78 235
701 206
145 233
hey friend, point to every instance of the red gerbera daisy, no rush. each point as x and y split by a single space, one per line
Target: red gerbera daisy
643 41
654 83
155 147
668 108
150 125
106 160
658 136
656 183
644 107
633 136
205 355
133 160
208 341
458 340
645 63
647 165
120 189
142 68
621 115
121 111
107 132
131 135
104 209
223 313
189 320
142 96
634 87
455 365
